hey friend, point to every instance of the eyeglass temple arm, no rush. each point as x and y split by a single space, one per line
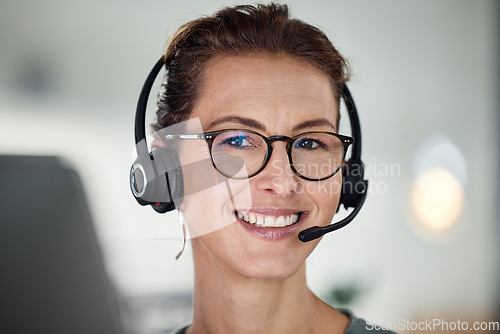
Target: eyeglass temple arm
186 136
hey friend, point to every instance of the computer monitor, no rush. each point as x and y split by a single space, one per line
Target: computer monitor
52 277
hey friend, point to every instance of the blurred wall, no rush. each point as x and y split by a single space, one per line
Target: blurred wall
498 136
425 79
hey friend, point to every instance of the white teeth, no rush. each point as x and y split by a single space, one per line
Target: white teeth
260 221
280 222
268 221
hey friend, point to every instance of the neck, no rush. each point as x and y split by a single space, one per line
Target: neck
228 302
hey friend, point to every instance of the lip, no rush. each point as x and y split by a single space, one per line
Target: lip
273 233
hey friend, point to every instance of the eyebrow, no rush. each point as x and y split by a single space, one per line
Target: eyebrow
313 123
238 119
260 126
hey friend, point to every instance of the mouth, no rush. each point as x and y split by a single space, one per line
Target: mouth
263 220
271 224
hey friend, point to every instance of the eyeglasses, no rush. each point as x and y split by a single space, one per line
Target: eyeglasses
313 156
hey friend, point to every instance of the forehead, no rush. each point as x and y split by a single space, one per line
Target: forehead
275 90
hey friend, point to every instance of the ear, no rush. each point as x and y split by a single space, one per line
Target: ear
157 142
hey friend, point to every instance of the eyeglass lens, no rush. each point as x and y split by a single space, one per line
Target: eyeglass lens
313 155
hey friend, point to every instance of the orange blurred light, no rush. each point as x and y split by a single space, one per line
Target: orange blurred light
437 199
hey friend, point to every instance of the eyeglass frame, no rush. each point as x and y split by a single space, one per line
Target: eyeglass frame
209 138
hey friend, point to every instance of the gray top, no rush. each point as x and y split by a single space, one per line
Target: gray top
357 326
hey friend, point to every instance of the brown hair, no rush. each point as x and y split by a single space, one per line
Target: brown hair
238 30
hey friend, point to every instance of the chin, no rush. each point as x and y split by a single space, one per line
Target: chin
270 274
233 249
273 268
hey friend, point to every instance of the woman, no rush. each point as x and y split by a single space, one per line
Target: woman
253 78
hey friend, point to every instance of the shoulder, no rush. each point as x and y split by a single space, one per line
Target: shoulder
356 326
360 326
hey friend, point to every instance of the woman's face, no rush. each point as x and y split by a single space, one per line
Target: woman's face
272 96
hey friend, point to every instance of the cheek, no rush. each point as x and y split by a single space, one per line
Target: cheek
203 211
201 189
210 198
198 173
326 194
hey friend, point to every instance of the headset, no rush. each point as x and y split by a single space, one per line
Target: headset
156 177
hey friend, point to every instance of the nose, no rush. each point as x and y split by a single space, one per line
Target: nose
277 177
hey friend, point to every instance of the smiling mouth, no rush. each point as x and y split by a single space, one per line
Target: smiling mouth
260 220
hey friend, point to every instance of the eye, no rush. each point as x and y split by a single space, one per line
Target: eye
238 141
308 143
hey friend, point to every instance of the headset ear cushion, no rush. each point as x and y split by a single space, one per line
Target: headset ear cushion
142 180
354 185
168 167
